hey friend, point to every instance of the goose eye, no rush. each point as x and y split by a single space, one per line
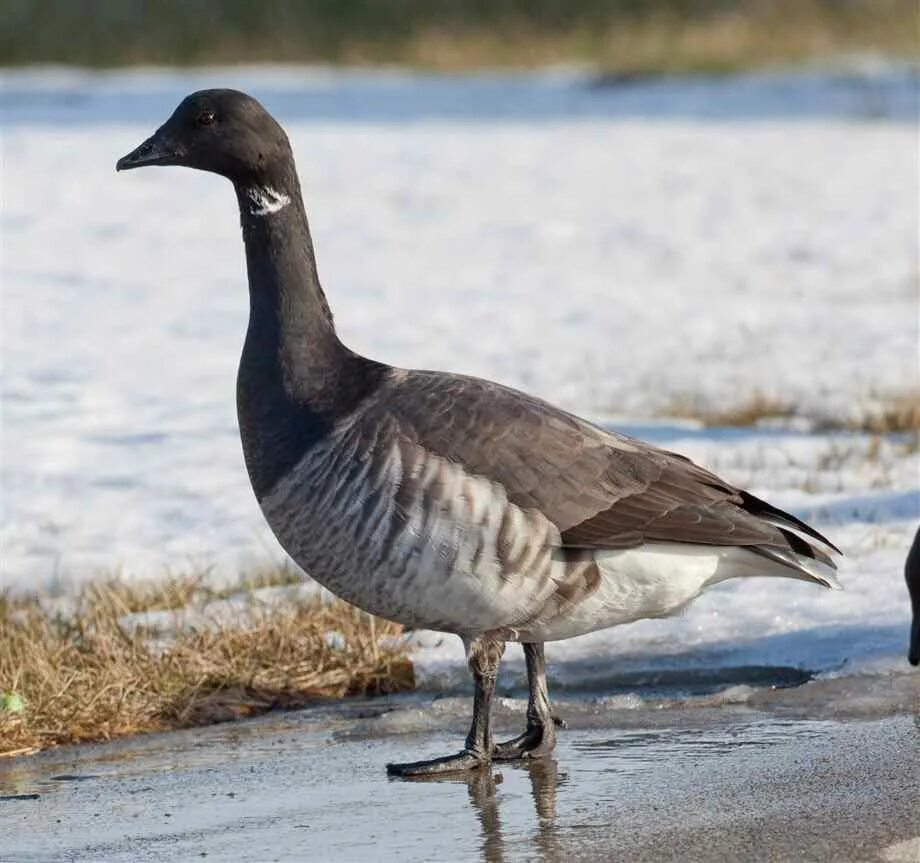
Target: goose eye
205 118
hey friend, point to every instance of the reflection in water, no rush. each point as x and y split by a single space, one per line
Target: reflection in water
482 787
544 780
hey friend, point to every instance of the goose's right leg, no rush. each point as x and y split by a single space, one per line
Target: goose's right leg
539 738
483 655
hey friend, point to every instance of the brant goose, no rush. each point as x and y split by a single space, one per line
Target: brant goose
912 575
447 502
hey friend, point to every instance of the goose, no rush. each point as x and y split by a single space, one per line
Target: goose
912 577
447 502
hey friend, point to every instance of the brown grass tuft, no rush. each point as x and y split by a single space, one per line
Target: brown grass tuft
893 414
121 596
898 414
84 675
758 407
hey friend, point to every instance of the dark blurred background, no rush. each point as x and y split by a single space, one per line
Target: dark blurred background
628 36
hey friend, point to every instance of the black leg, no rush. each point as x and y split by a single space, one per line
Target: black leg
483 655
539 738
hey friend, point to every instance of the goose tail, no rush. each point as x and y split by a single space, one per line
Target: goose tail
789 564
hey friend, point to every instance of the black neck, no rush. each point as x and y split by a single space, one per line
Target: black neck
296 378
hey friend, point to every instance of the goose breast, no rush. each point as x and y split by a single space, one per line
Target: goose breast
409 535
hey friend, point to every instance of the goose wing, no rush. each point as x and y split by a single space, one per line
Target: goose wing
601 489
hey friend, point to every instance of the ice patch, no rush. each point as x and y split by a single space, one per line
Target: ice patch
629 701
739 694
400 721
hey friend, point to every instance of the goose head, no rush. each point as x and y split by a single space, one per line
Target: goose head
223 131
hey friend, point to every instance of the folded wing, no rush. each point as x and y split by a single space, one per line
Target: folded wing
602 490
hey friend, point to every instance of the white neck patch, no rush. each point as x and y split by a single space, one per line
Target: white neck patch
265 200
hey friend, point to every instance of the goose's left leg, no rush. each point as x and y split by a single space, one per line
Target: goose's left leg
539 738
483 655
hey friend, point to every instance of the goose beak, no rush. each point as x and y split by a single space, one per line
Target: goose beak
156 150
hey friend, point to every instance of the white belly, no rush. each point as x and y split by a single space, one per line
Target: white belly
653 580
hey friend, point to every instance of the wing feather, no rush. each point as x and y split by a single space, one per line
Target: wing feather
601 489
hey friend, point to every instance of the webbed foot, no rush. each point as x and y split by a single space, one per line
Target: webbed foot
460 763
537 741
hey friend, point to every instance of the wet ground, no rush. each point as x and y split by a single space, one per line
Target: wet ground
825 771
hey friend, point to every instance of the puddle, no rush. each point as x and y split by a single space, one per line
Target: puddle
701 783
649 751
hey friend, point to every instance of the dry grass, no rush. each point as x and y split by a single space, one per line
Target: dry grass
84 675
756 408
124 596
897 413
893 414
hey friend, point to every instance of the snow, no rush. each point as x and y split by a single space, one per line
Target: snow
618 250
